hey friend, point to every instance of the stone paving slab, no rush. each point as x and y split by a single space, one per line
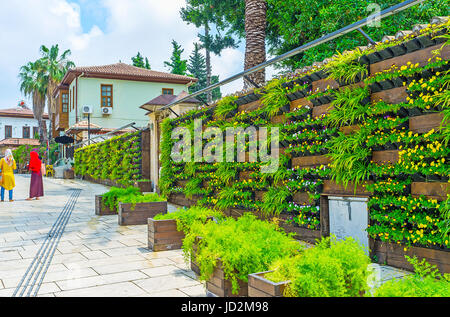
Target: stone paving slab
94 257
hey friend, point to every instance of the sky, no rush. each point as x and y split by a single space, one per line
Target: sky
99 32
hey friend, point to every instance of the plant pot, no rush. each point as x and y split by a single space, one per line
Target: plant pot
163 235
412 45
397 81
386 53
418 178
413 112
433 178
426 41
363 60
374 57
386 84
375 87
402 112
292 96
315 102
398 49
315 76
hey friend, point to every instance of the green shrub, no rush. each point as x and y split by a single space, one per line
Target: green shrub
426 282
186 217
331 269
130 195
246 245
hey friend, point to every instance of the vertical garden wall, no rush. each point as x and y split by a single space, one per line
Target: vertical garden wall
370 123
121 160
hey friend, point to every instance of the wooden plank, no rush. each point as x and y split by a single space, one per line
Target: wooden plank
320 110
298 103
259 195
332 188
101 209
323 84
258 282
245 175
420 56
250 106
390 96
254 292
431 190
302 198
349 129
385 157
307 161
394 254
279 119
423 124
324 216
141 213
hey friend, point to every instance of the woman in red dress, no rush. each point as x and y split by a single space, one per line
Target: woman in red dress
36 184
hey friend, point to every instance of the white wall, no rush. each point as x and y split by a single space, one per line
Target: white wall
17 124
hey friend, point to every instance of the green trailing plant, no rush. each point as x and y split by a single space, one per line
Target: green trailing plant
134 199
348 73
331 269
243 246
225 106
274 98
348 107
185 217
275 200
111 198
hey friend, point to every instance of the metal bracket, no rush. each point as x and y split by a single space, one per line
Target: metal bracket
368 38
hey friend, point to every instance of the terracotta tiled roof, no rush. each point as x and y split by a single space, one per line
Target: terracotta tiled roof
125 72
18 141
83 126
163 100
19 112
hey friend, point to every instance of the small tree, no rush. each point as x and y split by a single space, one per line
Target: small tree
139 61
197 68
177 65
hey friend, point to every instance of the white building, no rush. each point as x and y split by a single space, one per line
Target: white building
18 127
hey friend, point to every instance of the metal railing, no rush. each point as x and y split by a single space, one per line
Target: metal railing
347 29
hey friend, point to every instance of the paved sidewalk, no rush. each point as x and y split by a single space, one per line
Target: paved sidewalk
95 256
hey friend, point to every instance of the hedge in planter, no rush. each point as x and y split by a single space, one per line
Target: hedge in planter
242 246
332 268
167 231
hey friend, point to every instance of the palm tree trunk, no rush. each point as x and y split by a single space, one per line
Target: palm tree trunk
38 111
208 66
255 39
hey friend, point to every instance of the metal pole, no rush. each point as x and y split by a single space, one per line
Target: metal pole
347 29
89 128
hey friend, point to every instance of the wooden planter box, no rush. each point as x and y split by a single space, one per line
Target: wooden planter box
101 209
181 200
141 212
144 186
431 190
258 286
394 255
309 161
163 235
332 188
218 286
385 157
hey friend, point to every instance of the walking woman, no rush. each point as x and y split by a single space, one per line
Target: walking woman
36 184
7 167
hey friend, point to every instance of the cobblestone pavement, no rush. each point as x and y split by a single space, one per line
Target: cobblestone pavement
95 256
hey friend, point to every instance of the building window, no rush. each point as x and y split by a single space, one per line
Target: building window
35 132
106 96
167 91
65 102
70 99
8 131
26 132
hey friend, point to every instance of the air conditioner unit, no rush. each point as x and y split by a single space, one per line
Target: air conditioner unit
106 110
87 109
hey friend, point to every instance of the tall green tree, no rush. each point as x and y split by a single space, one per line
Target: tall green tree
176 64
208 14
34 83
197 68
139 61
56 66
292 23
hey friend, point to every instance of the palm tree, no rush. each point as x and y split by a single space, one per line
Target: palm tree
56 67
34 83
255 37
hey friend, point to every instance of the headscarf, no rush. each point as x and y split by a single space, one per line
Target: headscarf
35 162
9 158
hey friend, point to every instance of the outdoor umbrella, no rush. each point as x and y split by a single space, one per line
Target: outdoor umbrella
64 139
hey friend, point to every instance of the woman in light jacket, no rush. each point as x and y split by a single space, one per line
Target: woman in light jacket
7 167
